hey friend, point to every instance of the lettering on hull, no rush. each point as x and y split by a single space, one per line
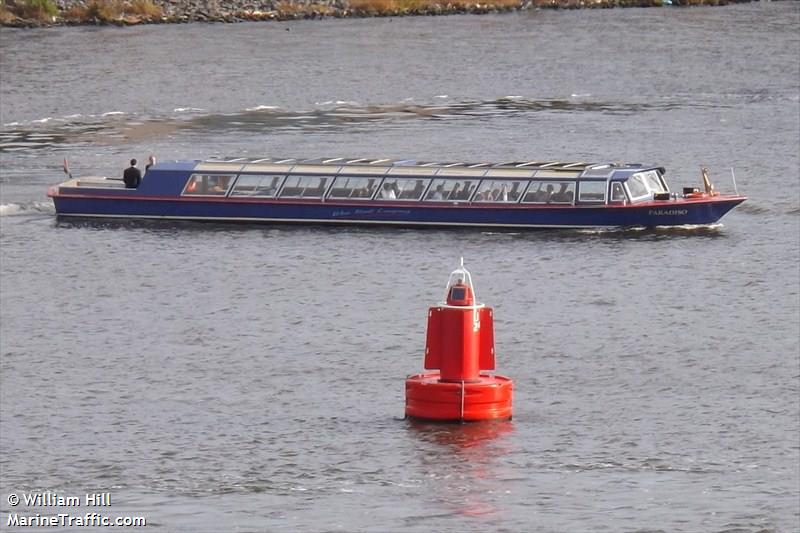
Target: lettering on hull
667 212
340 213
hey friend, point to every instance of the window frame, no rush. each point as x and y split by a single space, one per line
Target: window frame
376 180
625 198
447 192
426 181
571 187
204 179
324 185
244 177
642 180
491 182
603 186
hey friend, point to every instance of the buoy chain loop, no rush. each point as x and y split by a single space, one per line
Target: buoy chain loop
462 400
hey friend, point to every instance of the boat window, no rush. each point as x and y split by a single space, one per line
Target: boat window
402 188
263 185
500 190
592 191
443 190
645 184
350 187
462 190
637 186
208 184
304 187
617 192
550 192
653 182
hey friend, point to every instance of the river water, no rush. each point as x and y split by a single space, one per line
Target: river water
250 378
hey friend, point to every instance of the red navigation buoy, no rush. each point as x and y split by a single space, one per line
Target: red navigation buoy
459 344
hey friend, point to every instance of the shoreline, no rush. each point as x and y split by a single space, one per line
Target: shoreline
50 13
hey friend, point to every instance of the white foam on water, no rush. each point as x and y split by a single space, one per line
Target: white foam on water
12 209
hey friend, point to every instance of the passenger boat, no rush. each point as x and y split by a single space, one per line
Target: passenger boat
524 194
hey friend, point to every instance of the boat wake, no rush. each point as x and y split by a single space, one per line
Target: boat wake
27 208
114 127
685 229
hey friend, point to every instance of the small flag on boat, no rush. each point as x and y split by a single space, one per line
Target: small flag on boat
66 168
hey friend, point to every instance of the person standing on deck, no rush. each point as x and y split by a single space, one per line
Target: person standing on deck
132 176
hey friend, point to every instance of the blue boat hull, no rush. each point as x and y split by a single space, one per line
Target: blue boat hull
667 213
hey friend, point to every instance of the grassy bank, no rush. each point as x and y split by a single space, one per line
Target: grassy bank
34 13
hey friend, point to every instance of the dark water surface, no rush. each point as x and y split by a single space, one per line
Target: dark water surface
250 378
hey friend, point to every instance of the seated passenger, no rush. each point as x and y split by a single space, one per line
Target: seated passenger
548 195
417 192
502 193
563 195
466 192
366 190
454 194
437 194
388 192
220 185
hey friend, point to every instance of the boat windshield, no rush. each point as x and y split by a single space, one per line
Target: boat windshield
644 184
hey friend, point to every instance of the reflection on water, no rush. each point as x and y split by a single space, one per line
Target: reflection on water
463 461
467 440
